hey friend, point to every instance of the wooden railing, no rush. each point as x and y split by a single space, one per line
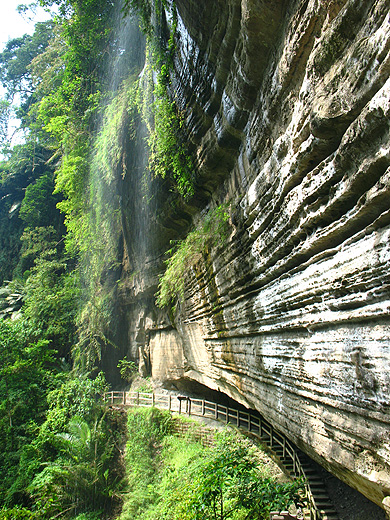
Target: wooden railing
247 421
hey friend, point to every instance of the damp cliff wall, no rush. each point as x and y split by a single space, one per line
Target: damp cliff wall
286 106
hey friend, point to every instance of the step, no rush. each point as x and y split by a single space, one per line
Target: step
315 480
321 496
324 504
309 470
316 486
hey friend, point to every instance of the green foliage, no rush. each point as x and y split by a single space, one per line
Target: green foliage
15 73
71 467
90 154
17 56
67 108
50 300
26 375
76 396
168 151
38 205
77 480
213 231
17 173
47 67
173 478
168 148
18 513
57 442
28 362
146 430
98 231
127 369
94 326
39 242
118 125
143 8
5 115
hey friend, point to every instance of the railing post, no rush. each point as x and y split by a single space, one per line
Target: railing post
238 419
249 422
123 398
189 406
227 415
271 435
216 411
137 398
260 427
169 402
203 407
179 406
294 461
284 446
153 399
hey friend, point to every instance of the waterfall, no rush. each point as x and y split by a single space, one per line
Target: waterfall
117 192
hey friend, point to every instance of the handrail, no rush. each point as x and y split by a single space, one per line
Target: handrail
244 420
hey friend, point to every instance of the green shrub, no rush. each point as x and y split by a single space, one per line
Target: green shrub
127 369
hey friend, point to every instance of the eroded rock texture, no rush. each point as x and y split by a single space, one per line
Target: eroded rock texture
287 109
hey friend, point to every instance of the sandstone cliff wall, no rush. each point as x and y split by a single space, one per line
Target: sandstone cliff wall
287 108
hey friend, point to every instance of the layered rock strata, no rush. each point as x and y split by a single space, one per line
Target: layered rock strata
287 110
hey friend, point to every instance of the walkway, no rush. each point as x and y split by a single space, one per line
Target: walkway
294 461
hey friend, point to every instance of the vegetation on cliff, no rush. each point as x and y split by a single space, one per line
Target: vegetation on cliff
211 232
169 155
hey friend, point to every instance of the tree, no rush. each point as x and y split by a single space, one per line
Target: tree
26 375
15 73
127 369
76 448
26 164
77 481
51 297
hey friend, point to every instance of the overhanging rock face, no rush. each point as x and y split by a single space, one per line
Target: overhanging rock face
287 106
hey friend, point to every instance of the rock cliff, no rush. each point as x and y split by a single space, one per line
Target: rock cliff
287 107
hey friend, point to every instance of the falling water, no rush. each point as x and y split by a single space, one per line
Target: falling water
118 193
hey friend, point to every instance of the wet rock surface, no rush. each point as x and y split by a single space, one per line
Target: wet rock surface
287 110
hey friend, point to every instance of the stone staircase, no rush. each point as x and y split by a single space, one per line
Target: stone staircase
320 497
